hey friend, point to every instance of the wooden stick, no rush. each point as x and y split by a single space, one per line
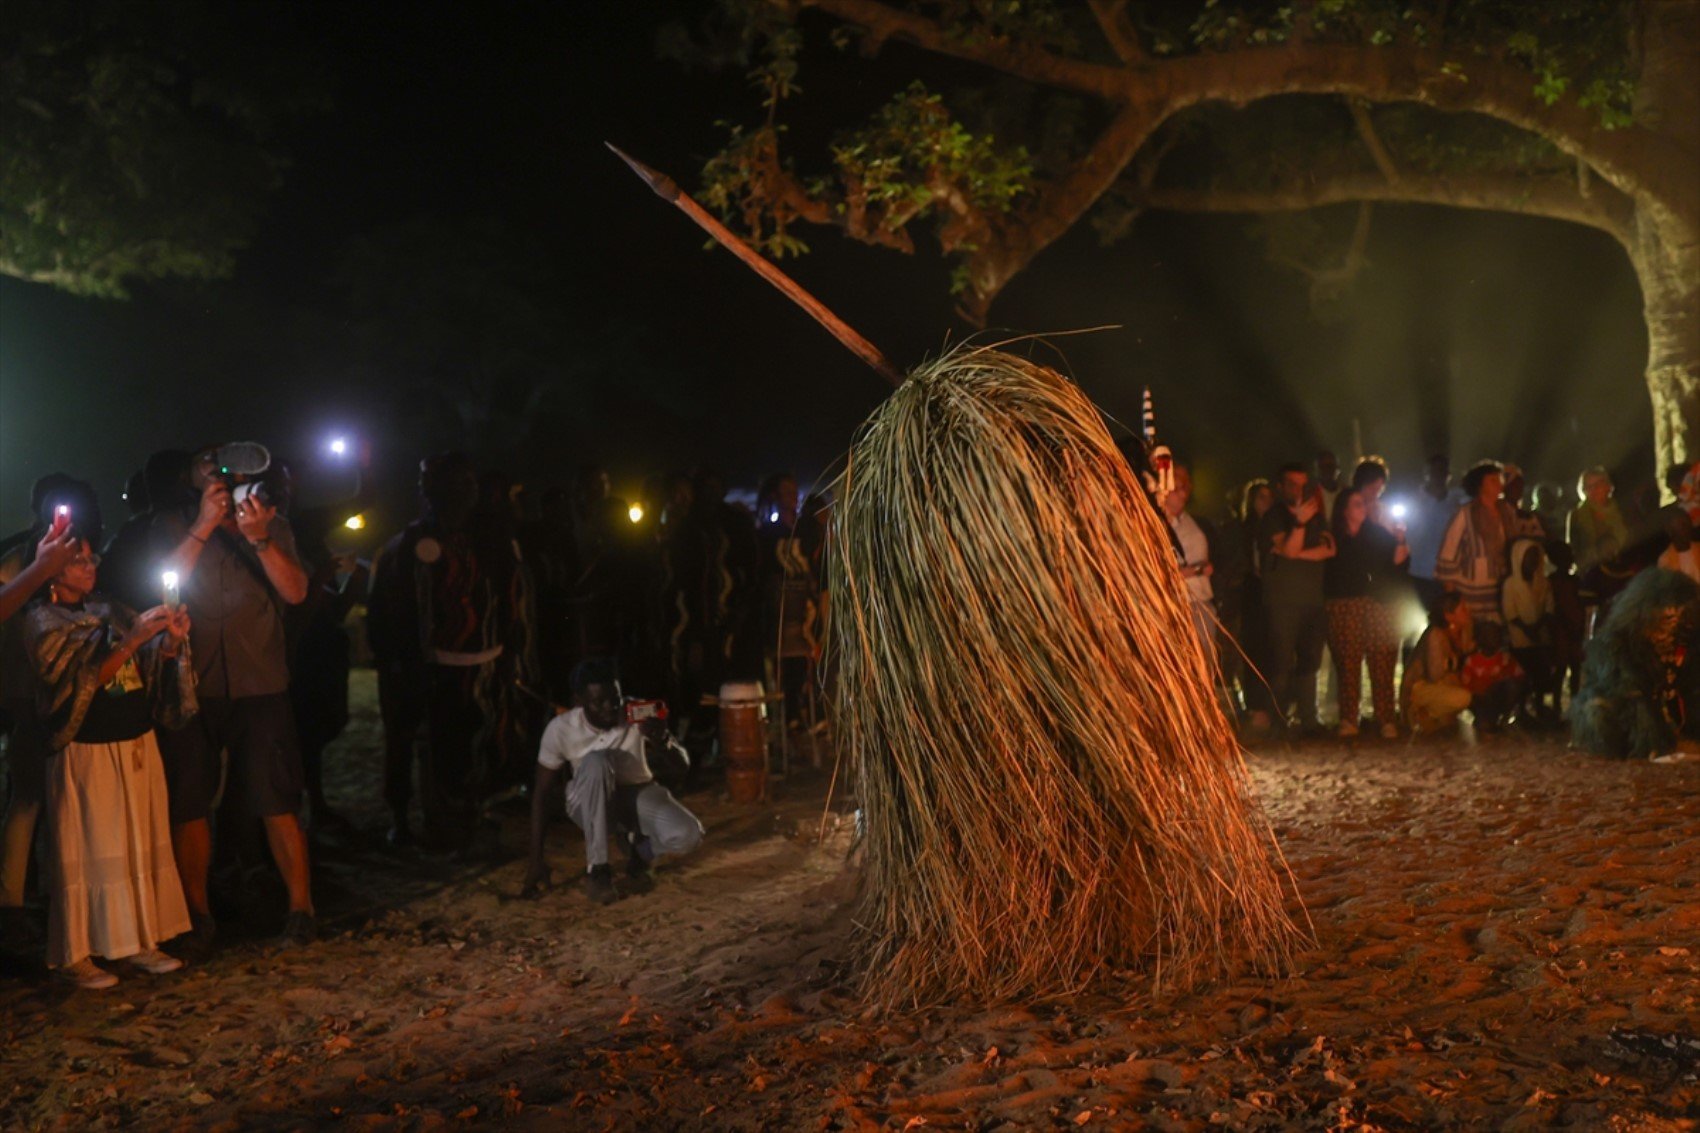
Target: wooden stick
668 190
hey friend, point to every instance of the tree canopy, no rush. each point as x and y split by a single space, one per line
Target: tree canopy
1012 121
140 141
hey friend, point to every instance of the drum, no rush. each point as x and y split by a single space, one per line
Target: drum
743 740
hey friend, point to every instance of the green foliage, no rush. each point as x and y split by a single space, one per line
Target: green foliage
973 157
1467 143
911 161
741 184
1568 45
139 141
913 151
1043 23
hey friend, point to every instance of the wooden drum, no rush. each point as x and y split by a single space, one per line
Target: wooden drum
743 740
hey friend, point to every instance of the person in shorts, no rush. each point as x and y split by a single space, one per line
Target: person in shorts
239 569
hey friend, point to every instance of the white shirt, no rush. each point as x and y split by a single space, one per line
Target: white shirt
570 737
1196 548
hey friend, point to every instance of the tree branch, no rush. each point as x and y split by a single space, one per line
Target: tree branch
1328 283
1118 29
1058 208
1553 196
1634 159
1021 60
1372 140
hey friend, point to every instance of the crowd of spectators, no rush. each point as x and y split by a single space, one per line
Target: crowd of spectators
1483 602
174 749
180 748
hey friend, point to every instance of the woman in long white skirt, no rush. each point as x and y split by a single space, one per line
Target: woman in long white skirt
106 675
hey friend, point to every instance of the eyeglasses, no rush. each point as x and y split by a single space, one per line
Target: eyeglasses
91 560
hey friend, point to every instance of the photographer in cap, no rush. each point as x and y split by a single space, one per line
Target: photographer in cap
236 557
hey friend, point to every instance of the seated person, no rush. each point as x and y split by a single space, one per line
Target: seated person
1640 694
613 786
1495 680
1432 693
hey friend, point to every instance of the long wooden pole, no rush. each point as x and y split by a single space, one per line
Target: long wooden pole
668 190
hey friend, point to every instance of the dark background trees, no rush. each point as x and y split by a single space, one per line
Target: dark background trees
141 141
1053 114
450 162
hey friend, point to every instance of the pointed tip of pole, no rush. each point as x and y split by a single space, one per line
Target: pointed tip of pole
663 185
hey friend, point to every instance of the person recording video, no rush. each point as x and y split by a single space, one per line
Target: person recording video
236 557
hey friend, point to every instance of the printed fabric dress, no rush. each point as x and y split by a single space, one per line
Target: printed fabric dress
115 887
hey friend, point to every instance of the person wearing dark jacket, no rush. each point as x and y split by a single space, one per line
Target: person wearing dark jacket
439 621
1359 585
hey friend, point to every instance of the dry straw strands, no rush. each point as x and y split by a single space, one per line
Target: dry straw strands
1051 792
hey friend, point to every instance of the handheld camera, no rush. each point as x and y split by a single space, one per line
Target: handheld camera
251 490
637 711
243 467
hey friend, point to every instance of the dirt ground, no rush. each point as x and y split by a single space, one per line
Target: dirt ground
1507 936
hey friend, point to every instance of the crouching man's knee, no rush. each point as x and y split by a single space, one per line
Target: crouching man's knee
672 829
682 840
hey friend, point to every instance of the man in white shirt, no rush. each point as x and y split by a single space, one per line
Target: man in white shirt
1194 540
612 786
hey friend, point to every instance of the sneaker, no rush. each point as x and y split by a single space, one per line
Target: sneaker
86 973
299 928
599 886
1347 731
1390 731
154 962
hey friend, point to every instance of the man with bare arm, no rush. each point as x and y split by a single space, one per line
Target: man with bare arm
239 570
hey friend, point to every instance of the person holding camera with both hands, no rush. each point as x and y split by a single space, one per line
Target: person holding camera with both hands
613 759
236 557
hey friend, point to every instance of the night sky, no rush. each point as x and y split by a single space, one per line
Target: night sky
1477 334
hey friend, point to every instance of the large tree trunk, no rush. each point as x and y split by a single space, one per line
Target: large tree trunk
1666 254
1664 243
